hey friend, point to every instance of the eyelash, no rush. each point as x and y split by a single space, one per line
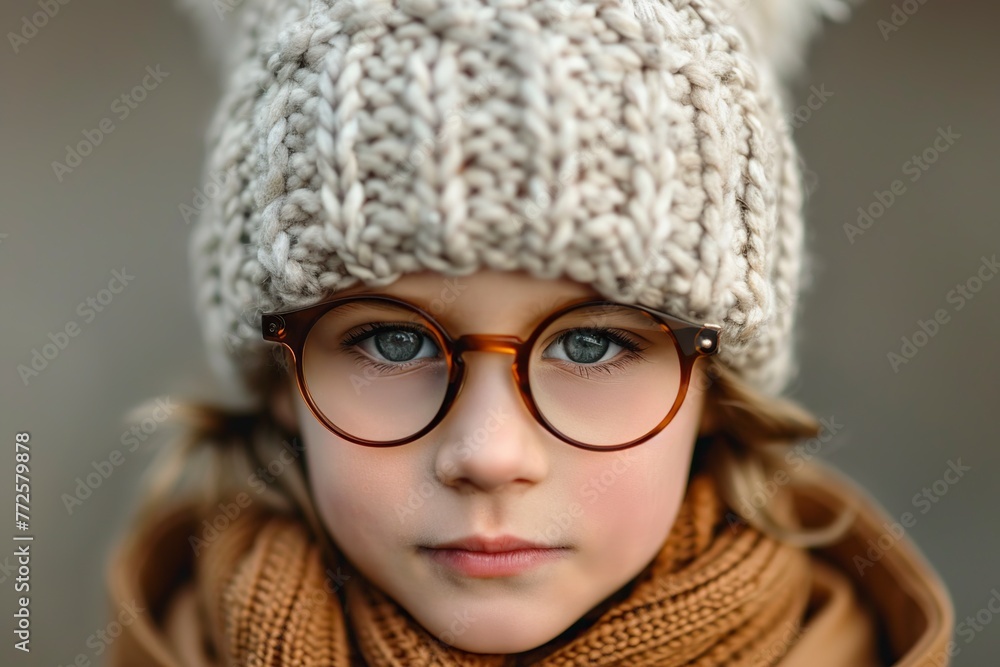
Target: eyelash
632 351
631 347
365 331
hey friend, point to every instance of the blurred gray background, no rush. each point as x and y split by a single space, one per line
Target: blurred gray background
61 240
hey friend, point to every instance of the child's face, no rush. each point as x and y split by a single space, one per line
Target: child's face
608 513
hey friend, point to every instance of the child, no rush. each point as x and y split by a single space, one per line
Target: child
502 294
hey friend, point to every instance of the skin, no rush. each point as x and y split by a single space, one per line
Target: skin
611 510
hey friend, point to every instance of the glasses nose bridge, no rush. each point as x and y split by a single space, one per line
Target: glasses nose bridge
487 343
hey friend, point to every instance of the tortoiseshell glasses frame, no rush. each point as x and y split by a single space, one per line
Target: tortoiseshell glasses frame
291 329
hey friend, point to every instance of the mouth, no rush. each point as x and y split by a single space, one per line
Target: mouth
492 557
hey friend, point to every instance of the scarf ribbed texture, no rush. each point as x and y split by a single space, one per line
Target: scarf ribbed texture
718 593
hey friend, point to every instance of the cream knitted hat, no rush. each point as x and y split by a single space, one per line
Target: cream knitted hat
638 146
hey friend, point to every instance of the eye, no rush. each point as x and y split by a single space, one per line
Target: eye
394 343
583 346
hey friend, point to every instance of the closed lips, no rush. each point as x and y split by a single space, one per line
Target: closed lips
491 544
493 557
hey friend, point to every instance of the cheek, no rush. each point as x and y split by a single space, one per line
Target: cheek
343 490
630 500
634 498
356 488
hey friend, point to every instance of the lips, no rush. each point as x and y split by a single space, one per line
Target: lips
491 545
493 557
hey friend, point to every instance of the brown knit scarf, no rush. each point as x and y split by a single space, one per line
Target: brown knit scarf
718 593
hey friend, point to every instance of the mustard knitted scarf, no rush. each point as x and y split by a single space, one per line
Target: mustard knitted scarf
716 594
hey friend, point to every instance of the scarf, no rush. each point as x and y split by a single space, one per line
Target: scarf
719 592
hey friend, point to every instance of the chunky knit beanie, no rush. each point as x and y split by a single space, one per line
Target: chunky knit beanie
637 146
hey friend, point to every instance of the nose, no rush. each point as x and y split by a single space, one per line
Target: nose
489 439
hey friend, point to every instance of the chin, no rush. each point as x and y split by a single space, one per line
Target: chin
496 630
496 641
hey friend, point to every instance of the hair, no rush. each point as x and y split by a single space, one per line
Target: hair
754 441
222 452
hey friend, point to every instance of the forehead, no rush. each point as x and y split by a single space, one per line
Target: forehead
484 301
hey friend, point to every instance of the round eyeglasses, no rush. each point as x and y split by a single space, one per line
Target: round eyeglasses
380 371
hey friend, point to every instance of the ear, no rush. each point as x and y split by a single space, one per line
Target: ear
282 404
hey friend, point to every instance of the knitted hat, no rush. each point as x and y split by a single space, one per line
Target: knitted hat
637 146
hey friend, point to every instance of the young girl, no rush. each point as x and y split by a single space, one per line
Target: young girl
502 297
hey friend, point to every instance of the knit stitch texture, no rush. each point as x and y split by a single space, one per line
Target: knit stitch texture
637 146
714 595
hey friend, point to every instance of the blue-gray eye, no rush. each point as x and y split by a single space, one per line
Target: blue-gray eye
582 346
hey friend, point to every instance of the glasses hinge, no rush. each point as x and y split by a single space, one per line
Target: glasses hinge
273 327
707 340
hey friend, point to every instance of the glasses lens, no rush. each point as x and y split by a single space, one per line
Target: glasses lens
376 370
605 375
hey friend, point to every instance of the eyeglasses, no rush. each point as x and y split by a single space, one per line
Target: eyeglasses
379 371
